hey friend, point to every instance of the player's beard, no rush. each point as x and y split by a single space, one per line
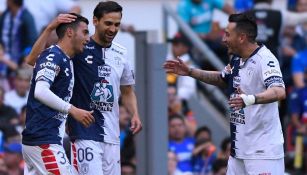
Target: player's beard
105 40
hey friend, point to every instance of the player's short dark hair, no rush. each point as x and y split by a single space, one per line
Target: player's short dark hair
105 7
61 29
246 24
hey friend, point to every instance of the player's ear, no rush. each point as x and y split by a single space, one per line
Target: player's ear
70 32
95 21
242 37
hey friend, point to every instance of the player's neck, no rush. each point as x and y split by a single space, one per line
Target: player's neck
248 50
66 48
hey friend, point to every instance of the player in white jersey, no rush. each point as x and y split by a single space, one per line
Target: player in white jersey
254 83
48 102
102 74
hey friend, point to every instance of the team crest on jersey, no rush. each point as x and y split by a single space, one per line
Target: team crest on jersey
102 96
104 71
84 168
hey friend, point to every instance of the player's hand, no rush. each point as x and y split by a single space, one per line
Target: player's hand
136 124
176 66
236 102
84 117
61 18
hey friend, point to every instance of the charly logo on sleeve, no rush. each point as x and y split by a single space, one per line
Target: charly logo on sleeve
102 96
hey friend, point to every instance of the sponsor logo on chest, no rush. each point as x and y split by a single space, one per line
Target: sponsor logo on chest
104 71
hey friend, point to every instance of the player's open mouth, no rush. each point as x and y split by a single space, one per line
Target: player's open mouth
110 36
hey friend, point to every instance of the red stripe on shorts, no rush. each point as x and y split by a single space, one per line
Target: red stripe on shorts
49 160
74 150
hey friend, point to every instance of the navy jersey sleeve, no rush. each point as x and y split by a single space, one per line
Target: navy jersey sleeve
48 66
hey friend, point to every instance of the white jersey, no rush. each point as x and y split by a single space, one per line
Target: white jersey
120 74
99 73
256 130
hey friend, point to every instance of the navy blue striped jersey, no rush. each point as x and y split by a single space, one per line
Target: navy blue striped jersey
99 73
43 124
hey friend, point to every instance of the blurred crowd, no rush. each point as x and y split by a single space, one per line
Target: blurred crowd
191 150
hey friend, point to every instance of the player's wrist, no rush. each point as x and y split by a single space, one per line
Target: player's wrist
71 109
248 99
190 71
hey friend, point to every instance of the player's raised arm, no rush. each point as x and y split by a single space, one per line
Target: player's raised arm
177 66
41 42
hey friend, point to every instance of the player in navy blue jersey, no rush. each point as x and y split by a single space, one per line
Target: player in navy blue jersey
48 103
102 74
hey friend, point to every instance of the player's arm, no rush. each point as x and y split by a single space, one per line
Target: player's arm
177 66
272 80
270 95
41 42
129 100
43 93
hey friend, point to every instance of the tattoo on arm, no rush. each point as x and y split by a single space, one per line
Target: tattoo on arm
209 77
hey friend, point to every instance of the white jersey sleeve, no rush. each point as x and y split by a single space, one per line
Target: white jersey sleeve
127 77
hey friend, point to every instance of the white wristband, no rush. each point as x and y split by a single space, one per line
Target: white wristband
248 99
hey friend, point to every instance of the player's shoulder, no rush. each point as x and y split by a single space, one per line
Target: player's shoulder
53 50
52 54
264 55
118 46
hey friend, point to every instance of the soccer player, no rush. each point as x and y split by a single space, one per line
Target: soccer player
254 83
102 74
48 102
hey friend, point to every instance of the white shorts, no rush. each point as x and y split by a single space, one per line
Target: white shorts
46 159
255 167
91 158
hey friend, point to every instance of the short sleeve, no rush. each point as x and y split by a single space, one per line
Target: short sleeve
271 73
47 67
127 77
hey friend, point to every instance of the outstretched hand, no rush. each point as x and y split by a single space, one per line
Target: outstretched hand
61 18
176 66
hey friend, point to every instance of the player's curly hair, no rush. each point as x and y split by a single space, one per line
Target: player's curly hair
105 7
